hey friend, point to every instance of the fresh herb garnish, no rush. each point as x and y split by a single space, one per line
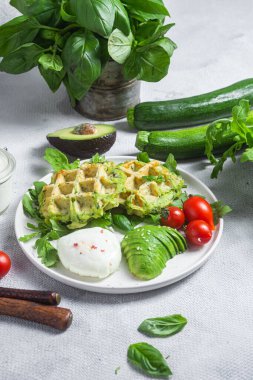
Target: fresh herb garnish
163 326
148 359
155 178
171 164
122 222
242 118
219 211
143 157
59 161
178 202
97 159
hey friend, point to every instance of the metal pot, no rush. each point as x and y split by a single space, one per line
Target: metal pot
110 96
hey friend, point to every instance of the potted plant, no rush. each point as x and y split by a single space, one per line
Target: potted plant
99 49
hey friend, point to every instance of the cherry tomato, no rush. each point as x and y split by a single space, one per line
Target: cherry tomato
198 232
197 208
172 217
5 264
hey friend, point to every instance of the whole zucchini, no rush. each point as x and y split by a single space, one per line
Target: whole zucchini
183 143
190 111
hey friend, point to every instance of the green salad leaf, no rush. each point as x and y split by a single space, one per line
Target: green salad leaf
171 164
219 211
147 358
143 157
59 161
122 222
242 118
163 326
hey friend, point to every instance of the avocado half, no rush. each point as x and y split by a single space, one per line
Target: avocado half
84 140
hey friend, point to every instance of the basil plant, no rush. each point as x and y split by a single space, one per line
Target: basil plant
71 40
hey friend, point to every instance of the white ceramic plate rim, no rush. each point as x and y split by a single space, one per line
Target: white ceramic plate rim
144 286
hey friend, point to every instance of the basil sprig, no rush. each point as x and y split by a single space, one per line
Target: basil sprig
71 40
163 326
148 359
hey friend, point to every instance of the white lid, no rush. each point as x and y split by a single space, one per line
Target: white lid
7 165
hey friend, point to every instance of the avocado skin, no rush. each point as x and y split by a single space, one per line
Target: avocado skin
84 148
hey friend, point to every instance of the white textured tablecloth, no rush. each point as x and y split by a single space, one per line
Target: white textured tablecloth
215 48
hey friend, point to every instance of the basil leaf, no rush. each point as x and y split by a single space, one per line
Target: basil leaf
95 15
65 12
151 31
143 157
119 46
51 61
219 211
121 21
53 78
121 222
47 12
21 29
171 164
148 359
146 10
151 62
163 326
21 60
58 160
81 58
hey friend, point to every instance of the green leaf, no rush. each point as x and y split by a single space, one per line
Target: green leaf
65 12
29 237
163 326
229 153
148 359
46 252
180 201
146 10
51 61
171 164
122 222
96 159
143 157
59 161
53 78
121 21
81 58
219 211
247 155
155 178
17 32
21 60
149 63
104 222
150 31
47 12
28 206
95 15
119 46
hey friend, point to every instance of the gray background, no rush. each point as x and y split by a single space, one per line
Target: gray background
215 48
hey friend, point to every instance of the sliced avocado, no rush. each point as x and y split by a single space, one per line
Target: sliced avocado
84 140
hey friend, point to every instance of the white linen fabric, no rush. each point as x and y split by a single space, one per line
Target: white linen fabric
215 44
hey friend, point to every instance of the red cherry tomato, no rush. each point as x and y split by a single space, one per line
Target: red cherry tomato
173 217
198 232
5 264
197 208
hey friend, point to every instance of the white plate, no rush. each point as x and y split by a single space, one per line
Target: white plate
122 282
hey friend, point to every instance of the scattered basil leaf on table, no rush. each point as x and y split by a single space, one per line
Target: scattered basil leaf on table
22 59
58 160
148 359
163 326
81 58
219 211
95 15
119 46
46 11
20 29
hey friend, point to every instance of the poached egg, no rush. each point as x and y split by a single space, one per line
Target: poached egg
93 252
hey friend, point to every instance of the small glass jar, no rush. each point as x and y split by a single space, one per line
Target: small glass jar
7 166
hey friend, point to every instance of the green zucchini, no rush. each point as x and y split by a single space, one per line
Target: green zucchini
182 143
190 111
